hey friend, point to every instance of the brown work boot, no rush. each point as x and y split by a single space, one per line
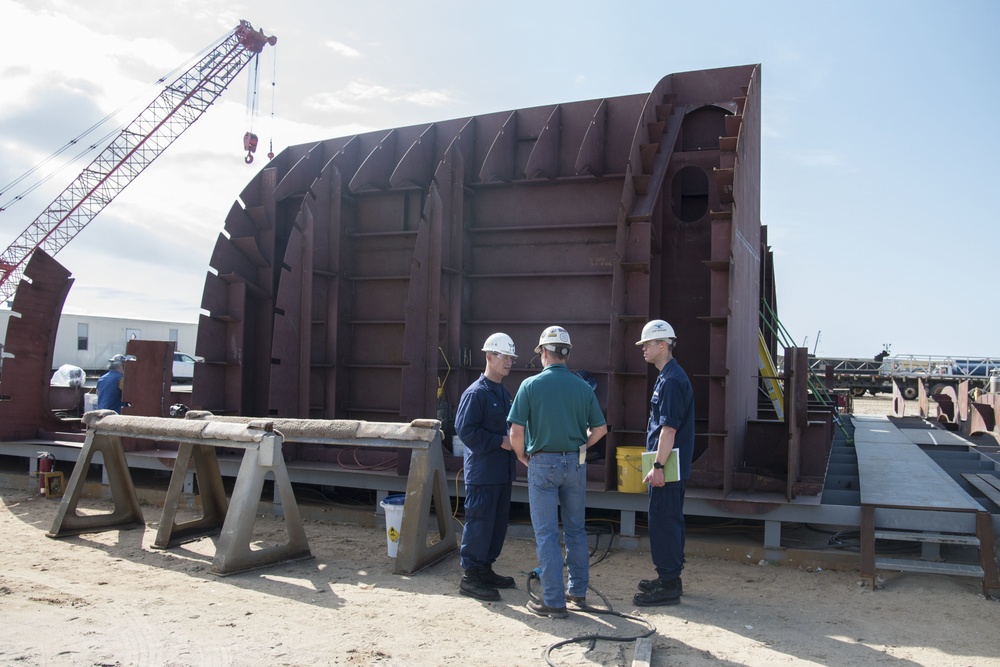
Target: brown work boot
542 610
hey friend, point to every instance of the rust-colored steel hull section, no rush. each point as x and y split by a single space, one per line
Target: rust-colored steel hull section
25 409
360 275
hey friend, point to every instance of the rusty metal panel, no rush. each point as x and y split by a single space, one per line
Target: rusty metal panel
374 390
147 386
148 378
983 415
424 313
291 340
235 337
596 215
30 342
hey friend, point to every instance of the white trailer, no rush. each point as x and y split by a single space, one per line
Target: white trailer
877 375
939 372
89 341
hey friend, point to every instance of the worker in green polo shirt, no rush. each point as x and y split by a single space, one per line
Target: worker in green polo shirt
554 419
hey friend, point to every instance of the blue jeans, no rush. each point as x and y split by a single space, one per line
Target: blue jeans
556 480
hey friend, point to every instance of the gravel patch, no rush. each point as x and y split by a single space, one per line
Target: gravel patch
882 405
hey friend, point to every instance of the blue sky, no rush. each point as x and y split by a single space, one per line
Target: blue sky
878 142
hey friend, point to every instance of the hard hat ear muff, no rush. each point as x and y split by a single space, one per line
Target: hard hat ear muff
552 337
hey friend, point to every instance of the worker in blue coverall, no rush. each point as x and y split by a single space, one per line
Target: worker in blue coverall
671 426
109 385
481 423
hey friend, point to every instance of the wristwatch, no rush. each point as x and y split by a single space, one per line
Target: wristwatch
657 465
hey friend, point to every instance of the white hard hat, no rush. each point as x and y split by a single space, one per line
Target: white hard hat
656 330
555 339
500 343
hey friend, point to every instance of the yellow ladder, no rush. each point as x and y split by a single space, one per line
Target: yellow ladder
770 375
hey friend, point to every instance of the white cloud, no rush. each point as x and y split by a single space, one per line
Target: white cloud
354 96
429 98
342 49
106 68
329 102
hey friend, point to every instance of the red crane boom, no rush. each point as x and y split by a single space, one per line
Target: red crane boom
180 104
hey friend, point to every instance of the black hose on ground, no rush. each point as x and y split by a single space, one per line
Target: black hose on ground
590 639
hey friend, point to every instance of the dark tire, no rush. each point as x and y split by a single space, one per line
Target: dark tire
857 392
910 392
937 388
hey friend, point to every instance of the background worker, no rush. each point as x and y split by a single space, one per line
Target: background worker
555 417
671 426
481 423
109 385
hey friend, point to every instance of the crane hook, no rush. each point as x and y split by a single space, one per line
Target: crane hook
250 146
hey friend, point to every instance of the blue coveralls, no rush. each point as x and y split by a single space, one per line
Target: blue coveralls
481 423
109 391
672 404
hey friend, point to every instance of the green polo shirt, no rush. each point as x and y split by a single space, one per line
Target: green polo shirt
555 407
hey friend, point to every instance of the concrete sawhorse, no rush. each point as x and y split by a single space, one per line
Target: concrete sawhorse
262 454
426 481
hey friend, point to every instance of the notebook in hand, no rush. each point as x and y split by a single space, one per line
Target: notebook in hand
671 470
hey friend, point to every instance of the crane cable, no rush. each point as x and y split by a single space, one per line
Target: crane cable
102 141
253 71
274 83
250 139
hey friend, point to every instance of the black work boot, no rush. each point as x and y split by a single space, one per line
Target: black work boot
647 585
474 587
491 578
662 593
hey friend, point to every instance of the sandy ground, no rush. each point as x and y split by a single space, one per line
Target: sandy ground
110 599
881 404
